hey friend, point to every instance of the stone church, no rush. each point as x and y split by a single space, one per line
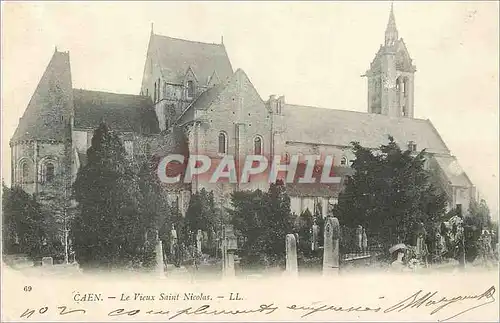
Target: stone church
192 86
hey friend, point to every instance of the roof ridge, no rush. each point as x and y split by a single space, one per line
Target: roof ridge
353 111
437 133
191 41
107 92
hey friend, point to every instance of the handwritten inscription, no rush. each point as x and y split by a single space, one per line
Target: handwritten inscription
433 302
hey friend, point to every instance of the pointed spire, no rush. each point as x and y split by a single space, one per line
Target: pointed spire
222 39
391 32
152 29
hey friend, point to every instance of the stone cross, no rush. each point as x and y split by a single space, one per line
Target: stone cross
291 255
331 248
199 236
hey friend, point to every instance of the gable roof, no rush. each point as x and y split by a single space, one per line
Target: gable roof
51 100
206 98
341 127
122 112
176 56
202 102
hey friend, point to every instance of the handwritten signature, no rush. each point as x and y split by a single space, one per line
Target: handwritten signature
419 299
427 300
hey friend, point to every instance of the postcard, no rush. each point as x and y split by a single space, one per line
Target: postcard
250 161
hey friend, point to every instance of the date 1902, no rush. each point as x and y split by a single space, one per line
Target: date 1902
62 310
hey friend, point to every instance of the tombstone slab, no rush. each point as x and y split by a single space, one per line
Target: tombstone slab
199 237
229 248
159 258
47 261
331 249
291 255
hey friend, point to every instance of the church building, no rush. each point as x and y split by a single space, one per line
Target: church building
192 87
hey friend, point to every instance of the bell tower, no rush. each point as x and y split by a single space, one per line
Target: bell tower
391 76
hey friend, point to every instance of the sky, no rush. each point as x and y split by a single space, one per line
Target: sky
313 53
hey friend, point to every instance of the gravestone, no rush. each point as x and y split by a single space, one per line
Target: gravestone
47 261
204 240
359 238
291 255
331 247
365 241
173 240
229 247
315 236
199 236
159 257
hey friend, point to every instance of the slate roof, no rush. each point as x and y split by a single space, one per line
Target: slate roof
176 56
341 127
122 112
453 171
51 100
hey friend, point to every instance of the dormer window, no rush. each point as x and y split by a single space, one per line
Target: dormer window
190 89
344 162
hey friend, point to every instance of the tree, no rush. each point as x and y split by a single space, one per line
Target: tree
263 220
202 213
481 212
109 229
306 221
390 194
24 228
156 214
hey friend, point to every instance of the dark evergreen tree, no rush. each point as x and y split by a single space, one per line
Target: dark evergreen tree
109 230
263 220
306 221
481 212
154 209
201 213
24 227
390 194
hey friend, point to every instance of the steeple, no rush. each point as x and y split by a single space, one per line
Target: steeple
391 76
391 32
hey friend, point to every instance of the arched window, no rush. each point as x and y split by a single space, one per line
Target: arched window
165 90
222 143
344 161
190 89
25 171
154 98
49 172
257 145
